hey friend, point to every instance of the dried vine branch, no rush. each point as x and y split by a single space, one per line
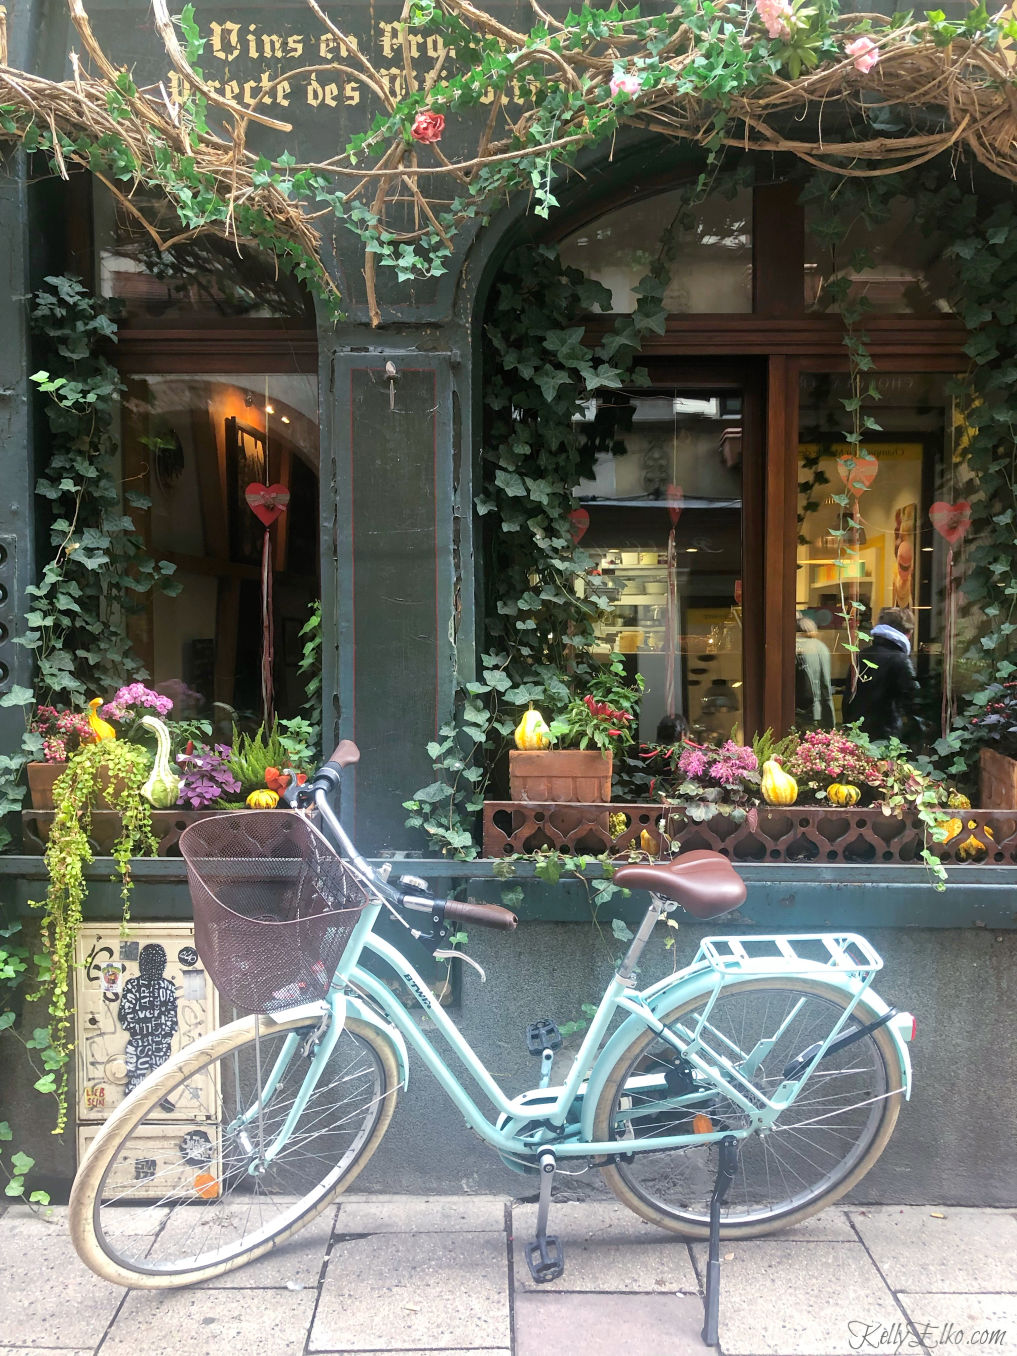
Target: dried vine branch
712 82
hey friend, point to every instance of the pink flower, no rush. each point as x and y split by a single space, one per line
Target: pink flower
625 84
865 54
775 15
427 127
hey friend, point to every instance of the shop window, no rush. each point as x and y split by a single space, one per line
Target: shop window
894 267
866 541
670 478
199 279
194 443
711 269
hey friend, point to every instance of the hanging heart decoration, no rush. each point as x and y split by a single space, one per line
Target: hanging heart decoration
951 521
267 502
858 471
675 500
580 520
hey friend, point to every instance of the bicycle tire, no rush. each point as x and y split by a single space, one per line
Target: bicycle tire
672 1188
189 1221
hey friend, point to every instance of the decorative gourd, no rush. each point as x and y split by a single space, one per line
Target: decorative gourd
843 793
958 801
163 786
263 799
100 728
777 786
952 828
532 731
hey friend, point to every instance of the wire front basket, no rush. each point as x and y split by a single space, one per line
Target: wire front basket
274 906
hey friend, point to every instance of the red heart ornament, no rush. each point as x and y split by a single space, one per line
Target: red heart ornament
951 521
857 471
675 502
580 520
267 501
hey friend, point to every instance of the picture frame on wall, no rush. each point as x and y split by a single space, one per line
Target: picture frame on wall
246 464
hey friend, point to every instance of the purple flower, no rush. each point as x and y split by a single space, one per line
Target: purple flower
128 699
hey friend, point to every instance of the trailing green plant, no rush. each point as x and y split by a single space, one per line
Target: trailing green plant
110 771
15 1165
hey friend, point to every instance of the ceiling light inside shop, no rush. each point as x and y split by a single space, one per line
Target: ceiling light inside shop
270 409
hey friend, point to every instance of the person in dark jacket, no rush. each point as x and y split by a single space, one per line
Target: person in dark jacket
886 690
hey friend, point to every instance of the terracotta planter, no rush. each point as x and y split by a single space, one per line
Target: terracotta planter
567 775
41 777
997 781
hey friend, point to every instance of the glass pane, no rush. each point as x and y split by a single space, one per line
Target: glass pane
202 278
712 268
672 453
894 266
847 575
194 443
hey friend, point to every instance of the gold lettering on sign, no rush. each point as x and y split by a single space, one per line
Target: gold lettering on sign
225 41
254 57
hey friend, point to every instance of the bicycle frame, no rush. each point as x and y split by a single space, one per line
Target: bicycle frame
564 1114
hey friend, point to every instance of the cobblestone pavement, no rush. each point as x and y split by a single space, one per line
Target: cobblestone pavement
445 1276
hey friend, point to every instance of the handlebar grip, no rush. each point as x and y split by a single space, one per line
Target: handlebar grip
484 915
345 754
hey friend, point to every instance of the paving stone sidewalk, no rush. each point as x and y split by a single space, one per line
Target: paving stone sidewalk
445 1276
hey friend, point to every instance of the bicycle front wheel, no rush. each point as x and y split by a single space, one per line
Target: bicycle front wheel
817 1149
159 1204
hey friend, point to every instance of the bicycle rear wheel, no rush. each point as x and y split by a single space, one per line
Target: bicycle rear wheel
818 1148
158 1204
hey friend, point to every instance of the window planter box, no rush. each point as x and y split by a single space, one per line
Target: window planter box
795 833
580 775
997 780
167 825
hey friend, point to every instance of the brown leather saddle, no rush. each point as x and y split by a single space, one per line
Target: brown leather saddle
703 883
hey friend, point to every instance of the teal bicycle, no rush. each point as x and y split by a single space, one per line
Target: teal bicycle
748 1090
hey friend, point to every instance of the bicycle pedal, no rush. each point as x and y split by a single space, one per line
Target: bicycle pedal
546 1259
541 1036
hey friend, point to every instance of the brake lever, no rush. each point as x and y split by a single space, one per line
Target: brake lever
461 955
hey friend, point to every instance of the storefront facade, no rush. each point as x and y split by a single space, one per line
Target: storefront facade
235 377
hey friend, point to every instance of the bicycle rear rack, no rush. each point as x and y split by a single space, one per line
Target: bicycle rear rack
800 952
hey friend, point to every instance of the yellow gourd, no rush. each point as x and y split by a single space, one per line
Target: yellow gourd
263 799
843 793
958 801
777 786
532 731
99 727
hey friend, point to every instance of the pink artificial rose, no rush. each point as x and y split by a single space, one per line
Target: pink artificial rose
775 15
427 127
864 52
625 84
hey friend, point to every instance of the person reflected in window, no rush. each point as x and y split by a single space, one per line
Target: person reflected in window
887 688
813 688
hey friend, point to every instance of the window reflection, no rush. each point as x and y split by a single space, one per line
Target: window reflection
711 270
894 267
668 461
865 539
194 443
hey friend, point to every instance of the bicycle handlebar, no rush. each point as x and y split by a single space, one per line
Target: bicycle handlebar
484 915
345 754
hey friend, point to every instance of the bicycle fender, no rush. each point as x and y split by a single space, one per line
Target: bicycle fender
363 1013
661 1000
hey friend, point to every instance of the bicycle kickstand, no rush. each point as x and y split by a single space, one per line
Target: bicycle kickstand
545 1256
726 1166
